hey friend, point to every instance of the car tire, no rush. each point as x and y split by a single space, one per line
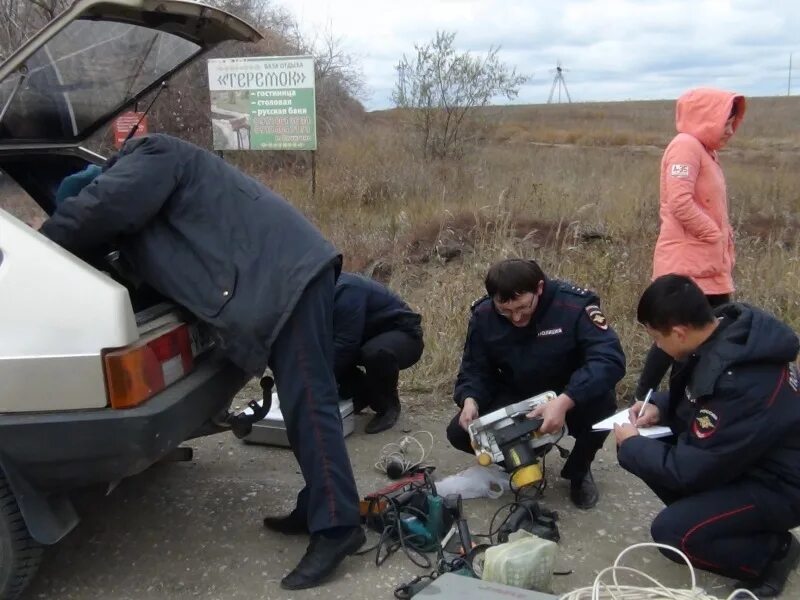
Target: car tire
20 554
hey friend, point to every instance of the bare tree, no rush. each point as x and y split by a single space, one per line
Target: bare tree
339 79
19 19
442 87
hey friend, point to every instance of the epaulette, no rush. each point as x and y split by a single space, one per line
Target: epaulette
577 291
476 302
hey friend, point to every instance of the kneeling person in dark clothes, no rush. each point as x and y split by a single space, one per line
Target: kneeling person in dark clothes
246 262
373 328
730 477
531 335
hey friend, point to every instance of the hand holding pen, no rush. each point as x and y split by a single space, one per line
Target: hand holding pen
644 414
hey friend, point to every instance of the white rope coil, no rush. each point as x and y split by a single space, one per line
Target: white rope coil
614 590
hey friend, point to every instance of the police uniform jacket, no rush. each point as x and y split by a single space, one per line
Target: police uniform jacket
568 347
735 408
203 234
363 308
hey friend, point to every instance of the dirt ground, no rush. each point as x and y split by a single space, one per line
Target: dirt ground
193 530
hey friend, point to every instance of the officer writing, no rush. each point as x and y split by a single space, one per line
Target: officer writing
373 329
529 335
730 477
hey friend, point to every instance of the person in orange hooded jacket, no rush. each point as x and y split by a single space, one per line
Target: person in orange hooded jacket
696 238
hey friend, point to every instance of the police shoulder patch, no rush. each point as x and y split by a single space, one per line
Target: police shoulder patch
705 423
597 317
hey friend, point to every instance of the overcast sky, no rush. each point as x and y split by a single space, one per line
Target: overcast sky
612 49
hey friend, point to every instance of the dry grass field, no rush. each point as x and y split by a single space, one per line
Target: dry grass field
573 186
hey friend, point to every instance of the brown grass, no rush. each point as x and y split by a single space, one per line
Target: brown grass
575 187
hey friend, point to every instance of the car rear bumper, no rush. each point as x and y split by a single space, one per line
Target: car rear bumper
60 451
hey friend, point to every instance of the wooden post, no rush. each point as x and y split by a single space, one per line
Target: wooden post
313 174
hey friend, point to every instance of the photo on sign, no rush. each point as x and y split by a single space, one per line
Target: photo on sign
230 119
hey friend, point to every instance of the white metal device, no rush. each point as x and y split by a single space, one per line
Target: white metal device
482 431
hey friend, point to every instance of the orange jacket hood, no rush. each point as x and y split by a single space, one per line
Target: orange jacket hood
702 113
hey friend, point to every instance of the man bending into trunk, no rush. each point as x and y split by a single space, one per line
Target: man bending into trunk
246 262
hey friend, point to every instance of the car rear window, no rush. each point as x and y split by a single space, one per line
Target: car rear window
84 74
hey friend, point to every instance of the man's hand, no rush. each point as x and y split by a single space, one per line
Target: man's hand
469 413
651 416
623 432
553 413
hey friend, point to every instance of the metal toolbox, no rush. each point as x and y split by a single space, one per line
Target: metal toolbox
271 430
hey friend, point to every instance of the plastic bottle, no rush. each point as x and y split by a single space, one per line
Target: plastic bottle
524 561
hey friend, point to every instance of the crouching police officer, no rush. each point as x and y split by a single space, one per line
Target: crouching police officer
531 335
731 476
373 329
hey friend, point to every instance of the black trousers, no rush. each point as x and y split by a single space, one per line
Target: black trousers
579 423
302 363
382 357
735 530
657 362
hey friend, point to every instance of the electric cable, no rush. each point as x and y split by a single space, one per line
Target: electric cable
409 454
613 590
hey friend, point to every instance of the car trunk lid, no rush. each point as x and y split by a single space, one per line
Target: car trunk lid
99 57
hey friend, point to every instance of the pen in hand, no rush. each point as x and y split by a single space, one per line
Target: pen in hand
644 404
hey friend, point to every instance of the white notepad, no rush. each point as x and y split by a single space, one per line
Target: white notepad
621 418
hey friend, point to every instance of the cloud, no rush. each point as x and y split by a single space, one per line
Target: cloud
614 49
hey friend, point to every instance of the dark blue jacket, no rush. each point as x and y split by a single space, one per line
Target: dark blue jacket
202 233
735 407
363 308
562 349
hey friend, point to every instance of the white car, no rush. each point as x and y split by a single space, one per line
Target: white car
100 376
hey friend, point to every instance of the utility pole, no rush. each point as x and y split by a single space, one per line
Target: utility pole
789 91
559 82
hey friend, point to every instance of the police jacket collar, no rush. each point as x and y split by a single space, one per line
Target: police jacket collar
545 300
745 335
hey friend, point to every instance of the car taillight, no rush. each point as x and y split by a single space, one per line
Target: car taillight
137 372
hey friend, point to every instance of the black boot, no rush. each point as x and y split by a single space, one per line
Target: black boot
583 491
384 420
772 581
323 555
294 523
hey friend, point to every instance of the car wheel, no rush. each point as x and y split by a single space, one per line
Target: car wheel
20 555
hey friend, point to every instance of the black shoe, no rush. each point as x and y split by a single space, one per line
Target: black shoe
292 524
322 557
583 492
771 583
383 421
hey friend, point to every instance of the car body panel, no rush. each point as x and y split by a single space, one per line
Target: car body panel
58 311
105 445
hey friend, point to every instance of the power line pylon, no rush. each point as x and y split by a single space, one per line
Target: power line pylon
559 82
